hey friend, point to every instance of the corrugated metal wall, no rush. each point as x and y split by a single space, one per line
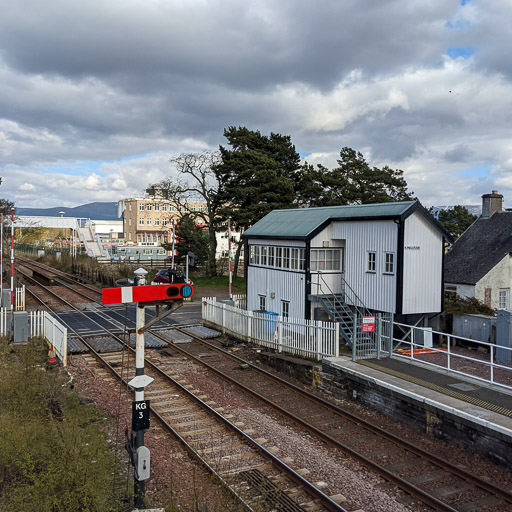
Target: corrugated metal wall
423 265
376 290
289 286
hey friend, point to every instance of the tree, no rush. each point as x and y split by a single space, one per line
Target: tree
257 175
190 238
456 220
197 181
353 182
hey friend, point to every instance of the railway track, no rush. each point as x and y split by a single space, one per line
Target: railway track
435 481
432 480
255 476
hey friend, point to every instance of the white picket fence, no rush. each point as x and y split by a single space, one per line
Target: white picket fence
305 338
19 299
43 324
4 326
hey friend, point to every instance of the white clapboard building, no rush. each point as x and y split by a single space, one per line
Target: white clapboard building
321 263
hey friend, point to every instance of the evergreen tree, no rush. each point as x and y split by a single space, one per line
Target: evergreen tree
456 220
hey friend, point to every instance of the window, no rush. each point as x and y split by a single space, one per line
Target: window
141 222
262 302
295 259
130 207
285 308
157 207
141 207
279 257
263 253
149 221
164 222
286 257
256 259
389 263
199 209
164 207
171 208
129 221
302 259
157 222
271 256
325 259
504 298
149 207
372 260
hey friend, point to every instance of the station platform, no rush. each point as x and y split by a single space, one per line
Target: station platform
453 407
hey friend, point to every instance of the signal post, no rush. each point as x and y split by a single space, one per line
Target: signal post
172 296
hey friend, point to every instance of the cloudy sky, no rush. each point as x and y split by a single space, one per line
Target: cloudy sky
96 96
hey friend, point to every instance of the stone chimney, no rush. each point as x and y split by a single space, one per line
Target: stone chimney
491 203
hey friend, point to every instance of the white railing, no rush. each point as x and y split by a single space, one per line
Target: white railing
19 301
490 364
240 300
305 338
4 326
43 324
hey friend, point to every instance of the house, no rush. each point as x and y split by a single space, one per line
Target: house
340 261
480 262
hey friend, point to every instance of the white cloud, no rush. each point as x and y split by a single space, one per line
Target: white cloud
112 80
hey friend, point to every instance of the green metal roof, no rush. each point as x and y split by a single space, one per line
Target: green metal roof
301 223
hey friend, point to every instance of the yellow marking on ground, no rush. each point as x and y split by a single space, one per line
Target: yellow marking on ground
441 389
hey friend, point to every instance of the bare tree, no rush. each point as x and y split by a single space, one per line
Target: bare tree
196 182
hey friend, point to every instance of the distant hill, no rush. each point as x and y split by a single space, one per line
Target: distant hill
94 211
471 208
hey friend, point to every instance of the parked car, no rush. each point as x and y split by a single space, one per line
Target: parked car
169 275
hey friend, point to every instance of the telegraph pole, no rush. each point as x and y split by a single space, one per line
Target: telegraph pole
12 261
230 261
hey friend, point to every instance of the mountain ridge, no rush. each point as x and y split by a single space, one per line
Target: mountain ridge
94 211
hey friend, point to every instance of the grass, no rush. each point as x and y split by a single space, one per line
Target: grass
219 282
54 453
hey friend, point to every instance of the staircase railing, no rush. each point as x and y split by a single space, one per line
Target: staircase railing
333 305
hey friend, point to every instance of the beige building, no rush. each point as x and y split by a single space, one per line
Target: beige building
149 220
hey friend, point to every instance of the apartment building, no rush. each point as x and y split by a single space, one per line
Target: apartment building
149 220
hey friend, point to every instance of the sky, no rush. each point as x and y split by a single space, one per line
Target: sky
96 96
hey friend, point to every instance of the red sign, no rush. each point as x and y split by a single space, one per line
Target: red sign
147 293
368 324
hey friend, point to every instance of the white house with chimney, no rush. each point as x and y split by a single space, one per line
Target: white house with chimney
480 262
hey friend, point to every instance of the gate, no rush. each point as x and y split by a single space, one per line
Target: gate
376 344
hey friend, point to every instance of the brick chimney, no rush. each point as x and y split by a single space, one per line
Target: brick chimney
491 203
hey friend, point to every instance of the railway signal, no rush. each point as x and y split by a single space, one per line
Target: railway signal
172 295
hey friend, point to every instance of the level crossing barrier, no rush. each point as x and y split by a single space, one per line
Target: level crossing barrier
305 338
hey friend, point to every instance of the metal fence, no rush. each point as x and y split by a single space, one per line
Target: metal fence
375 344
305 338
43 324
463 356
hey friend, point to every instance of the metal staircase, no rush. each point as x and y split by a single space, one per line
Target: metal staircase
345 308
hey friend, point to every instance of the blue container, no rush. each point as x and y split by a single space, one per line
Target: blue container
270 325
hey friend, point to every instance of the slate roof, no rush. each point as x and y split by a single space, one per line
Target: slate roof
304 223
481 247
